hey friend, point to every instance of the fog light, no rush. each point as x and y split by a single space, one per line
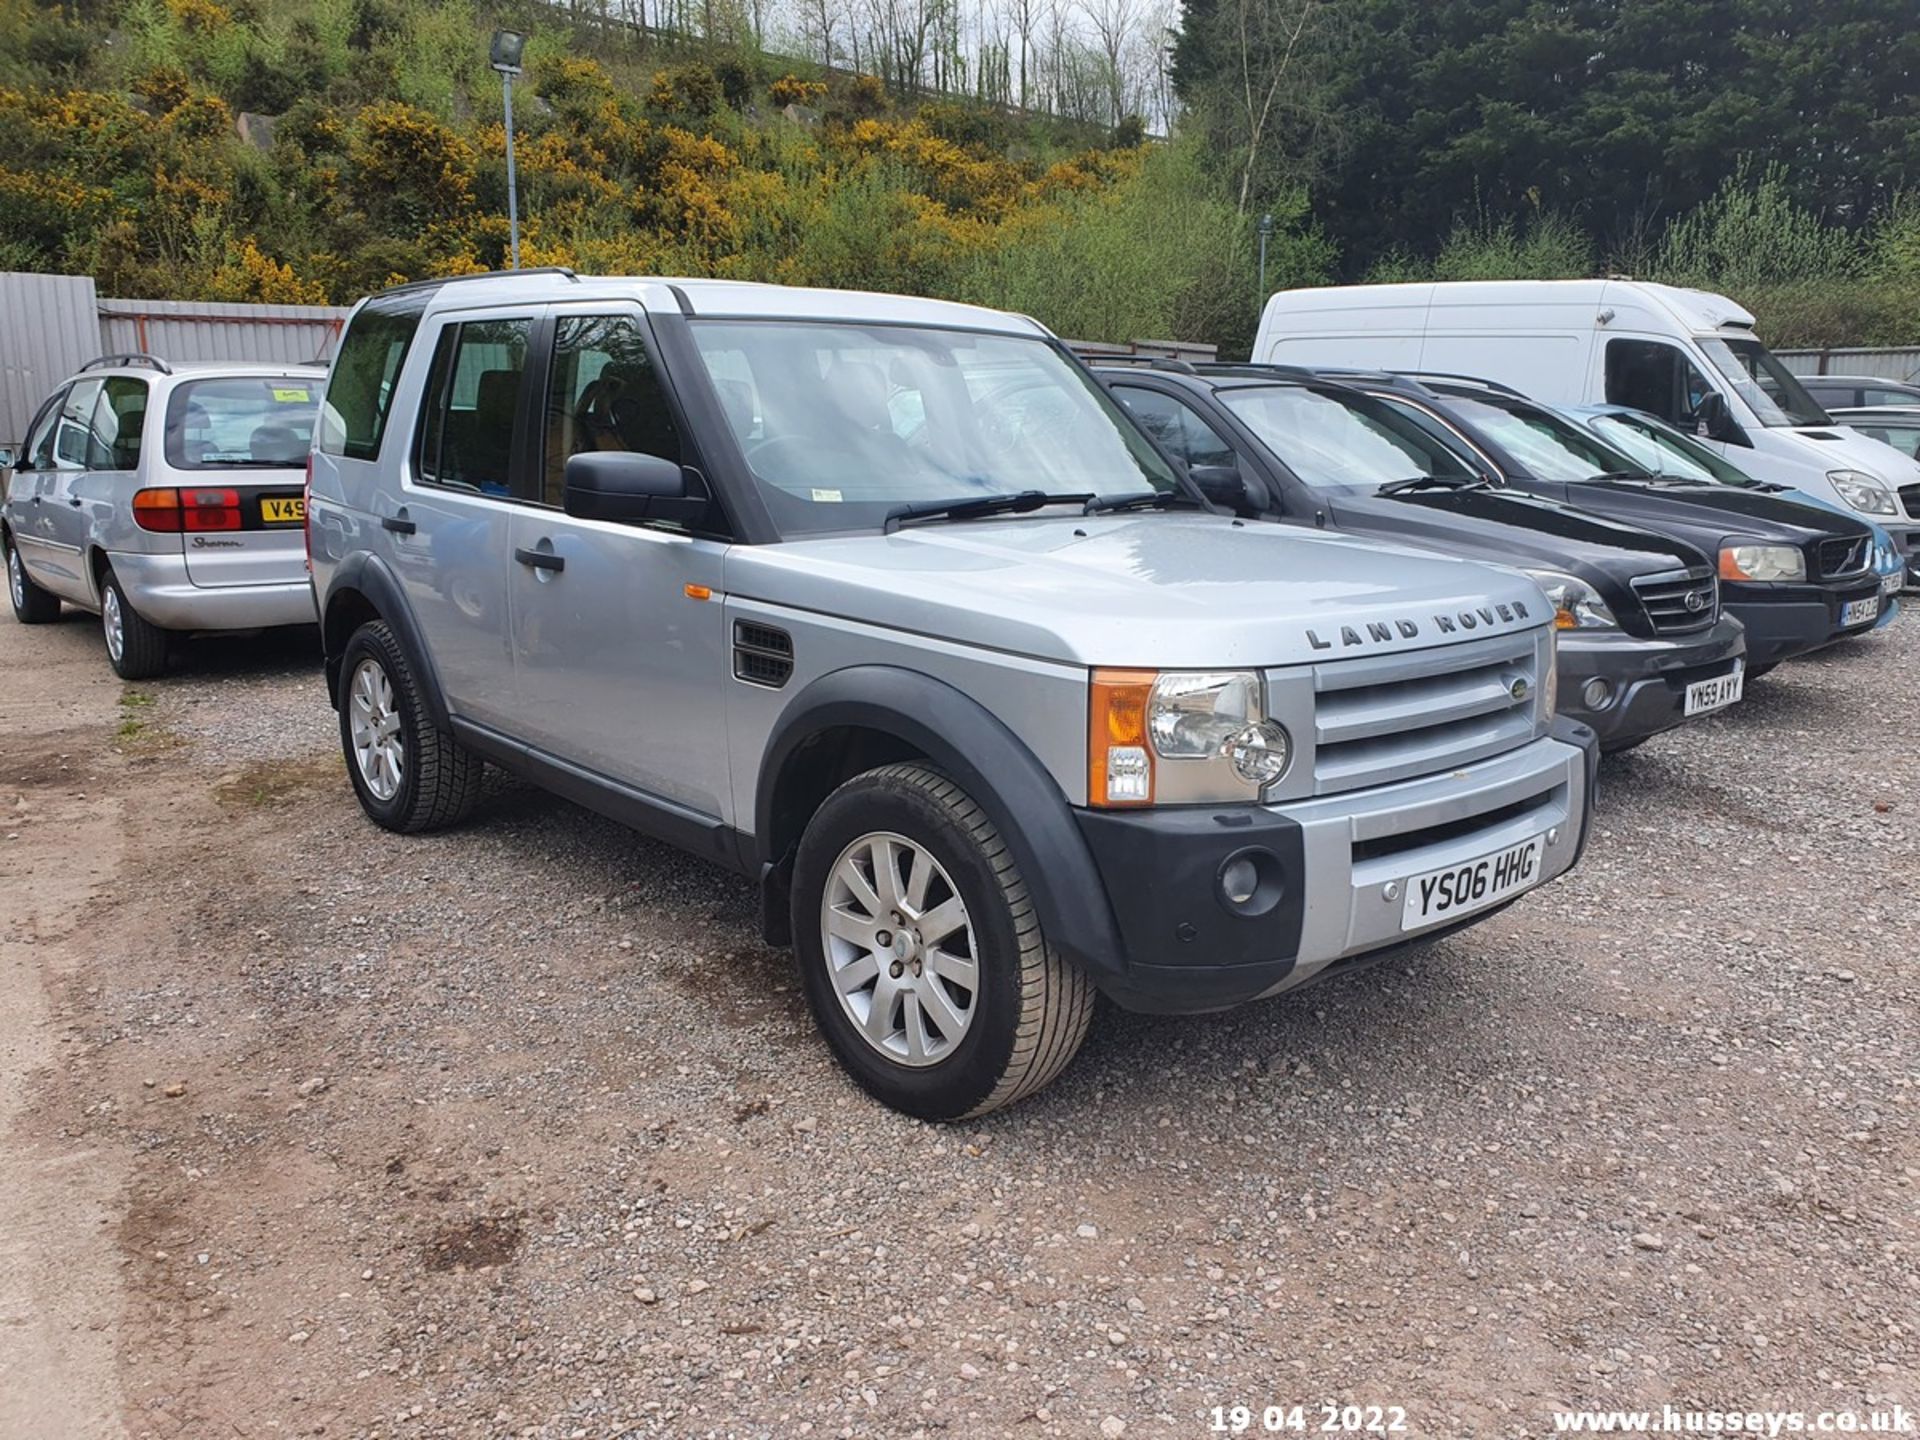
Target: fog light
1249 882
1597 694
1239 879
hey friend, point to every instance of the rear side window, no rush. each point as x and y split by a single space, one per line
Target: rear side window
73 437
119 417
473 400
242 422
364 374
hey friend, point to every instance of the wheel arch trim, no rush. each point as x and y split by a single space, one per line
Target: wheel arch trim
365 575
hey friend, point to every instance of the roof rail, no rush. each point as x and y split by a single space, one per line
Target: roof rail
1144 362
436 281
1481 380
117 362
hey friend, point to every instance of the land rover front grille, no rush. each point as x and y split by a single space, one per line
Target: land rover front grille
1844 559
1679 601
1396 717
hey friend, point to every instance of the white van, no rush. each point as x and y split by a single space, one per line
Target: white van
1685 355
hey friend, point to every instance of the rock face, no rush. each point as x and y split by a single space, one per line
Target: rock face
256 130
801 115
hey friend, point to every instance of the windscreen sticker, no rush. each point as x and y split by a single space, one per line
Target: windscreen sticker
291 397
826 497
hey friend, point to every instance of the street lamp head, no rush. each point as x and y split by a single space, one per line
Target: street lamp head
1266 224
504 53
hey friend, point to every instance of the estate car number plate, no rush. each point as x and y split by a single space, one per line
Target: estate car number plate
1715 694
283 512
1858 612
1474 885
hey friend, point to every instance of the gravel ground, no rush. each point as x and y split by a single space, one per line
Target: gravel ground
520 1130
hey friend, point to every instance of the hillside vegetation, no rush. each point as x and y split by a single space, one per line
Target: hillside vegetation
133 149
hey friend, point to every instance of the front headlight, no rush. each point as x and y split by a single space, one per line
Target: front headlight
1181 737
1762 562
1576 604
1862 491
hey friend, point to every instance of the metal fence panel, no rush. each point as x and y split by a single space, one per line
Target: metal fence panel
1882 364
202 330
48 329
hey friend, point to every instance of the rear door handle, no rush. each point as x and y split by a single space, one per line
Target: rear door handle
541 559
398 524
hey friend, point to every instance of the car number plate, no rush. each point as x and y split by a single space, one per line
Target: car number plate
283 512
1474 885
1858 612
1716 694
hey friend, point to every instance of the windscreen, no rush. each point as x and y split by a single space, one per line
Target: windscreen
1666 451
1550 448
841 423
242 422
1775 394
1330 439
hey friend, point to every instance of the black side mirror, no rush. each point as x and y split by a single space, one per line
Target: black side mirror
1225 486
1715 422
6 458
629 485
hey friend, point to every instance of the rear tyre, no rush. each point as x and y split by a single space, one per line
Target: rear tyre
410 775
921 955
136 647
31 604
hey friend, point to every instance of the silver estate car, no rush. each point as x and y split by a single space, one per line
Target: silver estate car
887 605
166 499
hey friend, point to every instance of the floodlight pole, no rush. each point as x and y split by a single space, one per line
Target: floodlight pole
1265 228
513 189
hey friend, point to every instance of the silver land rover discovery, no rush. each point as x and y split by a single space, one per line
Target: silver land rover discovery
166 499
886 604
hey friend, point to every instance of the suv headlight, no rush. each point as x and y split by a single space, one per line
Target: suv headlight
1862 491
1762 562
1181 737
1576 604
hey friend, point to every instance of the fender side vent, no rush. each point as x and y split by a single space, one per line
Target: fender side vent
762 655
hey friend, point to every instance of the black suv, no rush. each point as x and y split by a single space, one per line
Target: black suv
1284 444
1798 577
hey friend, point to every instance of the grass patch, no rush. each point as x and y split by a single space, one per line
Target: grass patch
266 784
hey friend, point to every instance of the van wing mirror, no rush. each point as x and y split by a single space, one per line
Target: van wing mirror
1225 486
1716 423
631 485
6 458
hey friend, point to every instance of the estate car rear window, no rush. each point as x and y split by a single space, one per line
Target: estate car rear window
841 423
242 422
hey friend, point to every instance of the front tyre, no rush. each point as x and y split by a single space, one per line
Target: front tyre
409 774
31 604
136 647
921 954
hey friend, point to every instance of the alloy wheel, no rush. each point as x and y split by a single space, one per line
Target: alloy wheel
900 948
113 623
379 751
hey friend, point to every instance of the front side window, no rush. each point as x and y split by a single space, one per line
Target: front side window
1337 440
360 390
842 423
242 422
1773 392
1658 378
603 393
473 401
1176 426
1547 446
37 453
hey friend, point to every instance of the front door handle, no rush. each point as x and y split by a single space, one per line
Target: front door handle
75 501
541 559
398 524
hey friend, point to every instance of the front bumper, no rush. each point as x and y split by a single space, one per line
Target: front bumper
1186 951
160 591
1787 620
1646 680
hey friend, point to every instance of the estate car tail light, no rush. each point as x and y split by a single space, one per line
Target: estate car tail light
196 508
1119 762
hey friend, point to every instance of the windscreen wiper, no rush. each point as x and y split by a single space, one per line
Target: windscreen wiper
1139 500
1433 482
971 506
